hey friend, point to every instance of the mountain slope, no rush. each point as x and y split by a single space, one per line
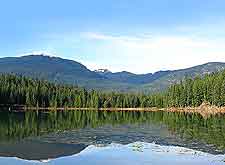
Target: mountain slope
46 67
71 72
135 79
177 75
57 70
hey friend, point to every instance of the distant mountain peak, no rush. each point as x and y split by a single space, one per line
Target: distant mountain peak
102 71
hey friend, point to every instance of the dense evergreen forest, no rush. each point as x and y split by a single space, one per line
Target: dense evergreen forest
19 90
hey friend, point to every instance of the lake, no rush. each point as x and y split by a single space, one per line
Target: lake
93 137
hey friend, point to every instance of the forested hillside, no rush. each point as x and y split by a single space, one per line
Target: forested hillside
58 70
192 92
176 76
64 71
37 93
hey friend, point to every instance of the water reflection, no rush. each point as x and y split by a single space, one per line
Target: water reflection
36 136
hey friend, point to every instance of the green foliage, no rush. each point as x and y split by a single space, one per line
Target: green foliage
36 93
192 92
65 71
18 90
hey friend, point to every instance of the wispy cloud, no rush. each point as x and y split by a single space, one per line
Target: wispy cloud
138 52
150 41
116 38
146 53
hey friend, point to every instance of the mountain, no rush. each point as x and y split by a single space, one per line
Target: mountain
131 78
175 76
45 67
60 70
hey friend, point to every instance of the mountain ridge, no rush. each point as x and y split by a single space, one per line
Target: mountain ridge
66 71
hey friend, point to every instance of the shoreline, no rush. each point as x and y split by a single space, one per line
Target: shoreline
205 109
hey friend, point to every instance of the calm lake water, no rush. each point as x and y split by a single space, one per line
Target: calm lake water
92 137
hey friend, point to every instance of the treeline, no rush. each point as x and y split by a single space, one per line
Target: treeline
193 92
20 90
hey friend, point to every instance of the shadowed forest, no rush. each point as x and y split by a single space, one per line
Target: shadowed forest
19 90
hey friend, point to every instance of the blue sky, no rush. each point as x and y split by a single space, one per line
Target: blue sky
135 35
